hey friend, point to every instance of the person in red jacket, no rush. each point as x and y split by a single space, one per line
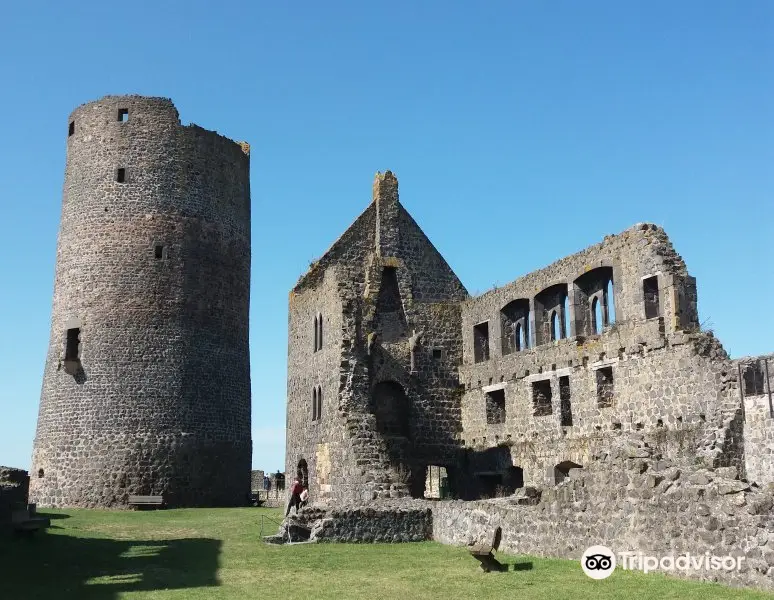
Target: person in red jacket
295 496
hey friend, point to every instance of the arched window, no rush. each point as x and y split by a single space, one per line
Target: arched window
556 328
316 334
597 321
610 301
519 337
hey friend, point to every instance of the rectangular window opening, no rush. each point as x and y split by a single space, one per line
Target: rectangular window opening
158 251
123 115
120 175
605 387
437 353
650 295
72 348
753 379
541 398
481 342
495 407
564 397
71 129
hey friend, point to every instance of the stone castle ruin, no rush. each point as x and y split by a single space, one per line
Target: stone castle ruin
589 377
146 388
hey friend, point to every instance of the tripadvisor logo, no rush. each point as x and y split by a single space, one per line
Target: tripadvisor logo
598 562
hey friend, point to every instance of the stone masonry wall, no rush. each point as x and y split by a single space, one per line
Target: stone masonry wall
758 392
153 269
666 378
14 489
398 336
632 500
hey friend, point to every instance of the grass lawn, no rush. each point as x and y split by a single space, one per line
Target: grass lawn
217 553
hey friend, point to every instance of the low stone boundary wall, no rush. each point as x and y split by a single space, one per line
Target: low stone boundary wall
14 490
629 501
383 522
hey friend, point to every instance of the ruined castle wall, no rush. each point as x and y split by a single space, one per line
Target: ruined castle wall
758 391
153 269
314 440
630 503
566 399
384 249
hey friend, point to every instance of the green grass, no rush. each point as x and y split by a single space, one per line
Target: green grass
217 554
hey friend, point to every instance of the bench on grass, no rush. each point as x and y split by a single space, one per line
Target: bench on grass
483 552
24 520
146 501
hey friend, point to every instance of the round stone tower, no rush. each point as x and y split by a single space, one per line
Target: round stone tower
146 388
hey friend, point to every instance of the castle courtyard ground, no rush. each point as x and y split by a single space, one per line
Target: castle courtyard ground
218 554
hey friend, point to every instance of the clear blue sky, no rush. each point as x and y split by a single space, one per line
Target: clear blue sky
520 132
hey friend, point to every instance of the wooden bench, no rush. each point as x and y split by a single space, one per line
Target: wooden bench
483 553
146 501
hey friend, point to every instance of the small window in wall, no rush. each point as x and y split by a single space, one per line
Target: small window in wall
596 315
121 175
564 399
320 334
753 377
556 327
436 482
71 129
610 297
158 251
605 387
481 342
316 334
541 398
123 115
437 354
562 470
73 346
319 402
495 407
314 404
650 295
40 473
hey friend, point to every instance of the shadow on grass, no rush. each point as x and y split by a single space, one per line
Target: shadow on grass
52 516
48 565
523 566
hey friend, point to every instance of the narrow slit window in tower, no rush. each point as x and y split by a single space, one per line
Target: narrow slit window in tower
121 175
71 129
72 348
158 251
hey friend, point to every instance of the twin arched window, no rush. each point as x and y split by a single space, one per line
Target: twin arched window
316 403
